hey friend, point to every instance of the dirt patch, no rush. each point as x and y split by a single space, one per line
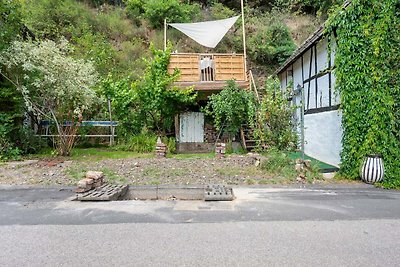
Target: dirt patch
234 169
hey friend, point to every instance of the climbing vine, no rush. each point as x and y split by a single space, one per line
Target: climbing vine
367 34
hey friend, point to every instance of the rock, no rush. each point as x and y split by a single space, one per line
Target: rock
329 175
94 175
307 163
298 167
299 179
257 163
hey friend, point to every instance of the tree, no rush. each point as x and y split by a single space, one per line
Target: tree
53 85
157 101
231 108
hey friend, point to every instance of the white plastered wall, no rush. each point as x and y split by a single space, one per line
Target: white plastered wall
323 136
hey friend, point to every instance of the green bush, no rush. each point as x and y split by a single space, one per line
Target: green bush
275 118
271 44
171 144
156 11
278 163
231 108
140 143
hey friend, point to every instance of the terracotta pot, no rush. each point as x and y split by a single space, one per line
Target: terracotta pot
372 169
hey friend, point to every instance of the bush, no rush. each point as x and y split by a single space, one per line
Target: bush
271 45
231 108
146 143
278 163
275 117
156 11
141 143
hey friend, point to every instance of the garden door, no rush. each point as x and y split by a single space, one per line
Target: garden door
191 127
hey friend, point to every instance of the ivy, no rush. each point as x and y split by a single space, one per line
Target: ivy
368 79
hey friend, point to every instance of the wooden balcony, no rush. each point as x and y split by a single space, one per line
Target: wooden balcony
208 72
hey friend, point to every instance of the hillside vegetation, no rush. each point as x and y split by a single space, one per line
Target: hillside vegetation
120 38
116 34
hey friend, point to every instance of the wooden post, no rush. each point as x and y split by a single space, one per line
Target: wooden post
111 123
244 42
165 34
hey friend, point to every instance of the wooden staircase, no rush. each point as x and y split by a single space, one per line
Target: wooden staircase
246 133
247 138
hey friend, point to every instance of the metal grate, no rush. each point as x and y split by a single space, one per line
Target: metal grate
218 193
106 192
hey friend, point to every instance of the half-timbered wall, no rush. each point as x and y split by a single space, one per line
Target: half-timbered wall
314 71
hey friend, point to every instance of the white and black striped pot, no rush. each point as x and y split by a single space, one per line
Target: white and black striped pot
372 169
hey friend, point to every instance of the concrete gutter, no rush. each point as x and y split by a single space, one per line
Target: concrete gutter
164 192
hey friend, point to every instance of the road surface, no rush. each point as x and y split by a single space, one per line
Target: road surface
264 226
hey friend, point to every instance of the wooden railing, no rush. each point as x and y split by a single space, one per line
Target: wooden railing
208 67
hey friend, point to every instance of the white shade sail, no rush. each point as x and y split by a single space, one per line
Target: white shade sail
207 33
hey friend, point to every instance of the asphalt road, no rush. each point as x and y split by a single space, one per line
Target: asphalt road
341 226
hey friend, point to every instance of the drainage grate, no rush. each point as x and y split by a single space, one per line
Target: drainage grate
106 192
218 193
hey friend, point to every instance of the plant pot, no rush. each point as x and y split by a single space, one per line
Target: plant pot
372 169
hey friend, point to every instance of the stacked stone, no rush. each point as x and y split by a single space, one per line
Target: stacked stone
220 149
161 149
301 168
93 179
210 133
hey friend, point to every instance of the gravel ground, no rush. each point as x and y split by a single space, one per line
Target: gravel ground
234 169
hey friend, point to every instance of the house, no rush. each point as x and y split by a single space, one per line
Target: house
207 73
311 66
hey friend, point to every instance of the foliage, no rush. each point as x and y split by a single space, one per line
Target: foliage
219 11
140 143
149 102
156 11
278 163
272 44
145 143
157 101
320 7
53 85
10 22
124 104
275 118
105 35
369 83
231 108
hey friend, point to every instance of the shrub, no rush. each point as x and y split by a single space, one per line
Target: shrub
156 11
278 163
140 143
231 108
271 45
275 117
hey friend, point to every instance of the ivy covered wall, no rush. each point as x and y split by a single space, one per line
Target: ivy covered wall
368 78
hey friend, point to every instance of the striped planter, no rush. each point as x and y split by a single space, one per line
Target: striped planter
372 170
